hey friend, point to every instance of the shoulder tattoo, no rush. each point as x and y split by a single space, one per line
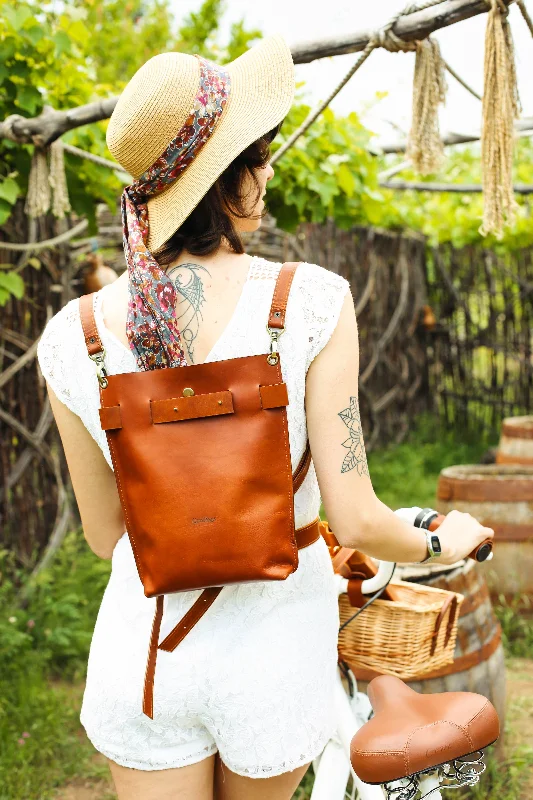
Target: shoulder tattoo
188 283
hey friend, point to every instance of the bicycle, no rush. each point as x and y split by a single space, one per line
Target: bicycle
354 745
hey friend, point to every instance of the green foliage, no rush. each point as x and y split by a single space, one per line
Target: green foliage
67 55
43 62
199 33
456 218
130 32
54 625
47 639
327 173
199 28
10 284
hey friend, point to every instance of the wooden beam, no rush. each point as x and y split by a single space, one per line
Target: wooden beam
414 26
521 125
456 188
51 124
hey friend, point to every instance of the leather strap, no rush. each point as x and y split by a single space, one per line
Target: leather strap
88 323
281 294
304 537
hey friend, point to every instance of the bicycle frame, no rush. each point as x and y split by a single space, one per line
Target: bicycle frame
352 709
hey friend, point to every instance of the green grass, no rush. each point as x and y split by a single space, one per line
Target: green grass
516 619
407 474
503 779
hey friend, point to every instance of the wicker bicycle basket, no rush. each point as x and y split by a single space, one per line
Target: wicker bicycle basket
411 635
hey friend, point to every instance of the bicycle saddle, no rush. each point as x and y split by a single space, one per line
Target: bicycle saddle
411 732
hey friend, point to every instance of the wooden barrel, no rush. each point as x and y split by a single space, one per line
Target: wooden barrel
516 441
479 664
500 496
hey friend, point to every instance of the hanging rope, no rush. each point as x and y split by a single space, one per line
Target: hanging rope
102 162
529 22
38 197
424 146
383 37
501 106
42 185
58 180
463 83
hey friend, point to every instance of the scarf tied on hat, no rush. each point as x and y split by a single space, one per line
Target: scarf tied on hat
151 325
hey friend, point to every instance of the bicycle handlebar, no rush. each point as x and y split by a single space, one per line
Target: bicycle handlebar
481 553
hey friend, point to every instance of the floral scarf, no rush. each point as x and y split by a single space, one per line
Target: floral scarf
151 325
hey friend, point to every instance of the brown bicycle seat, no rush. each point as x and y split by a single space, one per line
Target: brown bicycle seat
411 732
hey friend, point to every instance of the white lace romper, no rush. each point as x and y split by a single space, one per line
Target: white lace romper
254 678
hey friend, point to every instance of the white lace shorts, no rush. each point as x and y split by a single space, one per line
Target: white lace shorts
253 680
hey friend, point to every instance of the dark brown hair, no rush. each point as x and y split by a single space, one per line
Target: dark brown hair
209 222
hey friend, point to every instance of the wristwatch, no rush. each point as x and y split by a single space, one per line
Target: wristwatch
424 520
433 545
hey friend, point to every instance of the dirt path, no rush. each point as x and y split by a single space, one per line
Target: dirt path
519 732
89 789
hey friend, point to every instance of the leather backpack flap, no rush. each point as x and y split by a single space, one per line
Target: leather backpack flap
203 467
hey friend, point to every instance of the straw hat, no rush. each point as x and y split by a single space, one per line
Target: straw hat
156 102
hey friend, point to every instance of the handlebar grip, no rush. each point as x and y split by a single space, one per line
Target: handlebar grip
481 552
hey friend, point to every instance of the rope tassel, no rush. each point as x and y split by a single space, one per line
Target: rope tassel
38 197
501 106
425 148
58 181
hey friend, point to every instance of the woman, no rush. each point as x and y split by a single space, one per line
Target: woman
248 694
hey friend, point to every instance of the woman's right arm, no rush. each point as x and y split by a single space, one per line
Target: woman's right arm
93 481
355 514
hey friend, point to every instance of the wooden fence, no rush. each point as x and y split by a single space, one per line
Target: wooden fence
480 350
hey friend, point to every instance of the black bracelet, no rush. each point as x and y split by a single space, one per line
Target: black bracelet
425 517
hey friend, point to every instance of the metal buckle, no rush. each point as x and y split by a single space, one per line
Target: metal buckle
274 333
101 373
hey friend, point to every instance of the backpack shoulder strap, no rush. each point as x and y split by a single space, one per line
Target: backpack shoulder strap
88 323
276 321
281 294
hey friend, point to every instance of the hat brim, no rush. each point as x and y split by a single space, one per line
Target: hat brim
262 91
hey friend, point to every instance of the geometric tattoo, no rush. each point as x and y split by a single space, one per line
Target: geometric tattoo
356 456
189 285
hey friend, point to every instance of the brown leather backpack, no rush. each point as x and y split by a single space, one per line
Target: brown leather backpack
203 468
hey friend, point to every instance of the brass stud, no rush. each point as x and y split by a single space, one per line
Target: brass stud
220 402
175 409
188 392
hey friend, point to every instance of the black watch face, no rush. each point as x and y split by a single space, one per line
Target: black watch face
435 544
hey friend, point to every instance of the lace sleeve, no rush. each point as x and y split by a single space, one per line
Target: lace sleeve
66 366
58 355
324 292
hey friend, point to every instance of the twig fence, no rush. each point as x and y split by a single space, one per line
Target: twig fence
480 350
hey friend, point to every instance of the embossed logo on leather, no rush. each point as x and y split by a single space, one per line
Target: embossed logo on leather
436 750
202 520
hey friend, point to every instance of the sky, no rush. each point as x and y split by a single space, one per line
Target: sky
462 46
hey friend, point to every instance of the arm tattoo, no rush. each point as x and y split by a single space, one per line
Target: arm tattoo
356 456
189 286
